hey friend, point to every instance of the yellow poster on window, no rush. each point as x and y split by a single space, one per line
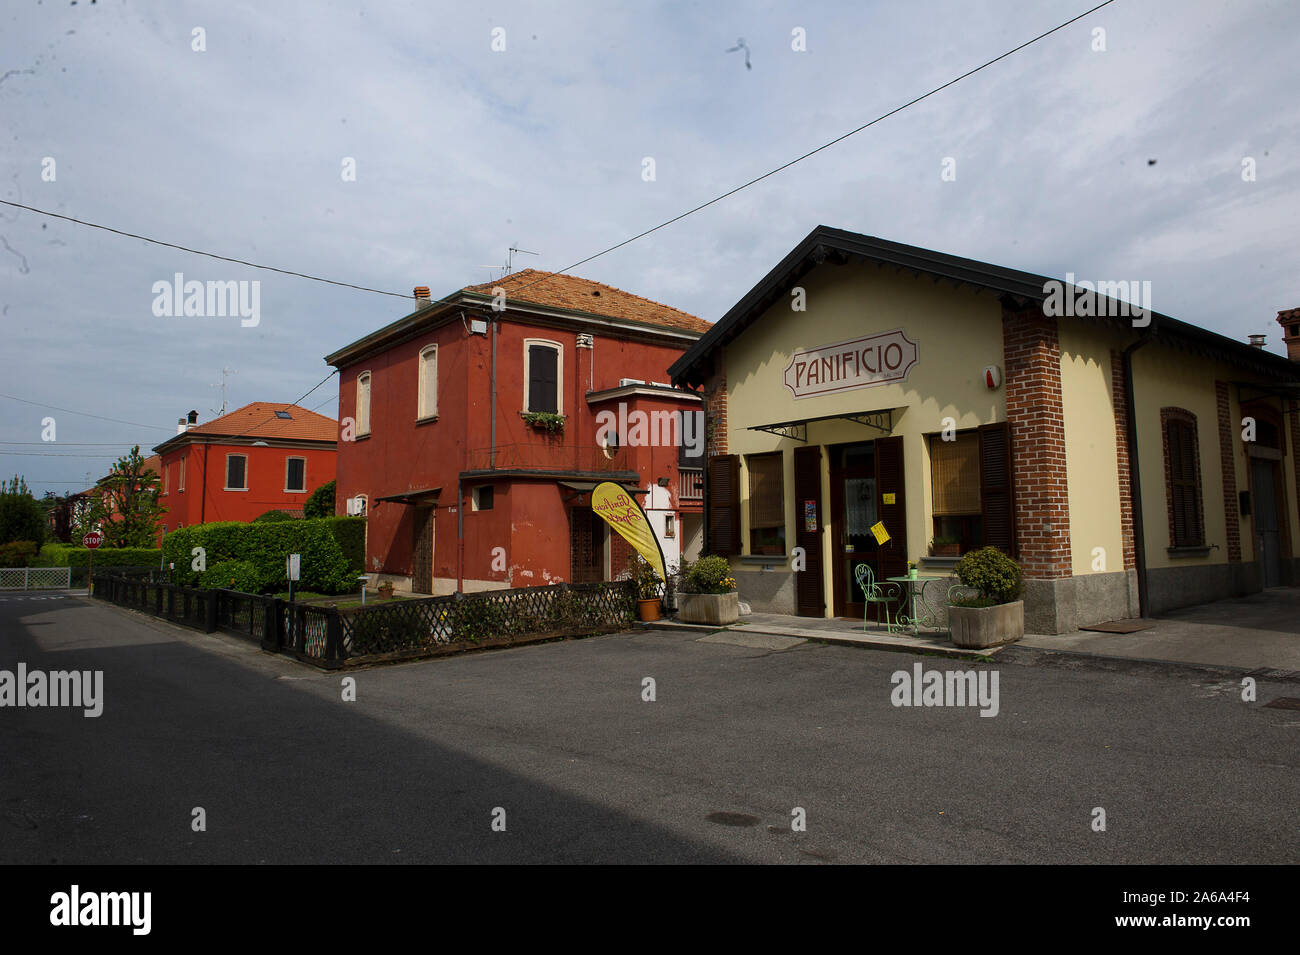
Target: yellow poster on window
878 529
621 511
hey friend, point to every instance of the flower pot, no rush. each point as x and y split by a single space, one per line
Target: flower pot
911 573
648 609
716 609
974 628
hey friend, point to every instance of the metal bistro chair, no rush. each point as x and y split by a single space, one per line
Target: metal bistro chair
871 592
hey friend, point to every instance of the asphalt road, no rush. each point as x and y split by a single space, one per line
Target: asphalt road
559 737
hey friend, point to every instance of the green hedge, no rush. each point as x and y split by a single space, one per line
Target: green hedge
325 568
68 555
350 532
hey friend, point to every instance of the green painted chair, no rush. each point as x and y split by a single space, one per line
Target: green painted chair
871 592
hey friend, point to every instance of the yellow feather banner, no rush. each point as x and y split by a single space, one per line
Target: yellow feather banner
621 511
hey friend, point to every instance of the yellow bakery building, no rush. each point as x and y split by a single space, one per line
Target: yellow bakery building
1130 462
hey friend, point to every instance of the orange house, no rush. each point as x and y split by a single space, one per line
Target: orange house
258 458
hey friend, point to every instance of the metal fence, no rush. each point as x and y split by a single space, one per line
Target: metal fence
329 637
35 578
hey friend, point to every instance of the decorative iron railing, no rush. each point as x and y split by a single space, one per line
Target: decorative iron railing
329 637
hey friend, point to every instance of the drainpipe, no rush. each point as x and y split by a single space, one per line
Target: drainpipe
1135 473
492 454
460 537
203 487
704 478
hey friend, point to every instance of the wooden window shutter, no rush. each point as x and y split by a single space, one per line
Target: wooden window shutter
996 488
1184 484
724 505
543 379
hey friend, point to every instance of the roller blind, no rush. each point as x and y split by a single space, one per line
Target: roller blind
955 475
766 490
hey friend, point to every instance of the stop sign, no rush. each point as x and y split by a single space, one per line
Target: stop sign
93 539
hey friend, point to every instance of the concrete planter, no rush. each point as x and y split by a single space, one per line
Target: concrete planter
717 609
974 628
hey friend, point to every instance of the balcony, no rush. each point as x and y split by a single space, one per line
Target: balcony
548 457
692 484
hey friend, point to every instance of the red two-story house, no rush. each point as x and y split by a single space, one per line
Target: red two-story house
261 457
473 430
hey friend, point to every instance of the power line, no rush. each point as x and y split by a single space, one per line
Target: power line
211 255
53 454
84 414
827 145
619 245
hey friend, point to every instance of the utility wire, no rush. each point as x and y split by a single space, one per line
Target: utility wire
640 235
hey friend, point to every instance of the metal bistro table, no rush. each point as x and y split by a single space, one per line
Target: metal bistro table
922 614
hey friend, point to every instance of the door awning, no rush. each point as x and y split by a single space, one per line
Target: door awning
881 420
427 496
585 486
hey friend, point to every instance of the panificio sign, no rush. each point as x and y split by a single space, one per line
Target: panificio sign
844 366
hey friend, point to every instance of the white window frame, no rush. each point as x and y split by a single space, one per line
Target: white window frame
364 382
424 398
167 477
181 486
287 488
559 371
233 454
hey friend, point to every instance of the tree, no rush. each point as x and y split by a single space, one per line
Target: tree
321 502
21 516
126 506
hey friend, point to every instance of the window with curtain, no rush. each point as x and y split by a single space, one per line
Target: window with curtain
363 403
766 503
428 401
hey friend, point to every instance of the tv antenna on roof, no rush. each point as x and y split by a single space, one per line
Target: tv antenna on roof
509 267
225 372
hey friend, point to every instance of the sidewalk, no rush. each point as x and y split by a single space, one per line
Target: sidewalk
1258 632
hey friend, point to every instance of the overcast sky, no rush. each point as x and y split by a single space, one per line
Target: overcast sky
461 151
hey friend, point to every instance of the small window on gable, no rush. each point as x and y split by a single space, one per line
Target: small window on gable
236 472
543 379
363 403
428 397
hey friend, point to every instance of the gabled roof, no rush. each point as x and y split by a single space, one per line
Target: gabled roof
825 244
583 295
566 297
259 420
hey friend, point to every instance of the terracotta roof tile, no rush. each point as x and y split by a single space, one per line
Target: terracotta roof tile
568 291
259 420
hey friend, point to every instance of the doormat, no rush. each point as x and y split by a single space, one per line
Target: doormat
1120 626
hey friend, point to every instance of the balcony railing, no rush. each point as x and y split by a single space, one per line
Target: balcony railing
692 484
548 456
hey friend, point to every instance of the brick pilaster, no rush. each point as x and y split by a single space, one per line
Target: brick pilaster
1031 352
1117 397
1227 462
716 396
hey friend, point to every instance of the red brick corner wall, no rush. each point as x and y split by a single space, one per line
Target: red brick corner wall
1031 351
1227 464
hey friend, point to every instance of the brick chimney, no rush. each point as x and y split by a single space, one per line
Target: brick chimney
1290 322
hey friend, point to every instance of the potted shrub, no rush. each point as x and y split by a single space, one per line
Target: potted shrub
946 547
994 614
708 593
386 589
546 421
646 580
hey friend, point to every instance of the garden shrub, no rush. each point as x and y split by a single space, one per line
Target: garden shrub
324 568
708 575
350 532
321 502
18 554
991 572
69 555
238 575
